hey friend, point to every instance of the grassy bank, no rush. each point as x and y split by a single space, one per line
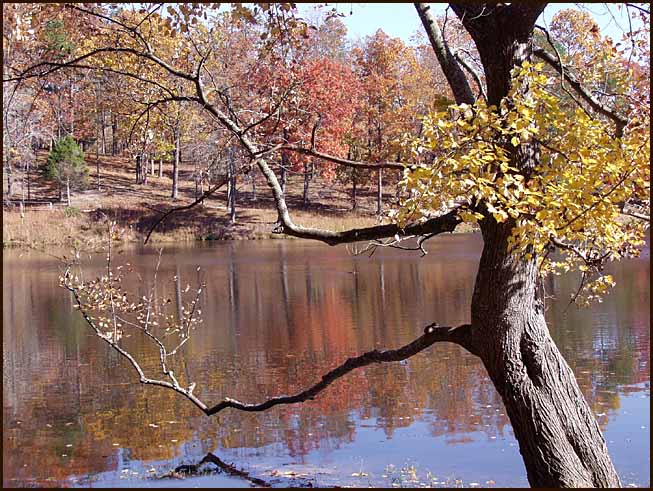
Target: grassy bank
136 207
62 227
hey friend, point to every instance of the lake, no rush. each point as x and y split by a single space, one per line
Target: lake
277 315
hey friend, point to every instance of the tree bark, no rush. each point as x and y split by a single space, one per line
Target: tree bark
176 161
379 193
114 136
354 182
559 438
231 187
104 134
138 169
307 180
68 190
10 177
283 173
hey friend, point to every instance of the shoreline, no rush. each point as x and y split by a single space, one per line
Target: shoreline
63 227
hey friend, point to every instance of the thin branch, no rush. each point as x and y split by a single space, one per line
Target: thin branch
341 161
641 9
206 194
619 120
432 334
473 73
639 216
112 342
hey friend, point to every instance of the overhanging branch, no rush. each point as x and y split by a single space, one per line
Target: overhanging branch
432 334
433 226
341 161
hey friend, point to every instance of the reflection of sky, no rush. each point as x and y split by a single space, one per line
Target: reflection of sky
372 453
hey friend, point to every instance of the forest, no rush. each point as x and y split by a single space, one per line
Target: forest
133 125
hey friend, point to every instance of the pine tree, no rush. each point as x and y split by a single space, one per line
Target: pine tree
66 165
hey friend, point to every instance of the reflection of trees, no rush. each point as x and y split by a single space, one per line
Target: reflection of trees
607 346
276 318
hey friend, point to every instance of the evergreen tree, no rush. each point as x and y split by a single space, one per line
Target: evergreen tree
66 165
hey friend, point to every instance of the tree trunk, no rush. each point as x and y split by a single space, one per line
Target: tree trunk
283 174
379 193
144 163
138 169
104 134
176 161
307 180
161 166
284 163
231 187
97 134
10 177
29 180
68 190
97 162
114 136
559 438
353 191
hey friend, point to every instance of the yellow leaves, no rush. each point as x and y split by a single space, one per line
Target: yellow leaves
574 195
470 217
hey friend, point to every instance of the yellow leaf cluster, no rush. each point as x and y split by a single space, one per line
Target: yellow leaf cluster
575 195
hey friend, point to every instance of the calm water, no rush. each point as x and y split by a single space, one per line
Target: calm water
279 314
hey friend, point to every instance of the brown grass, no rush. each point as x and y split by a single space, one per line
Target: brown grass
134 208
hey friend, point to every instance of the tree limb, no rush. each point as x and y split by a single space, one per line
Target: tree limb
433 226
205 195
452 71
473 73
432 334
619 120
342 161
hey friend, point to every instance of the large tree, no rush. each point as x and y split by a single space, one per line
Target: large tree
535 174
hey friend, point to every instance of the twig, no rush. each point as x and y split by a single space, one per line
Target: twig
206 194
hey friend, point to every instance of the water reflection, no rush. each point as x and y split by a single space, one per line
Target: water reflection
279 314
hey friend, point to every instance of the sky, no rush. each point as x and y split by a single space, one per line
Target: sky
400 19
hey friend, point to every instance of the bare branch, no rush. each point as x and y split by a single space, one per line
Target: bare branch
473 73
206 194
432 334
434 226
639 216
396 243
341 161
619 120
